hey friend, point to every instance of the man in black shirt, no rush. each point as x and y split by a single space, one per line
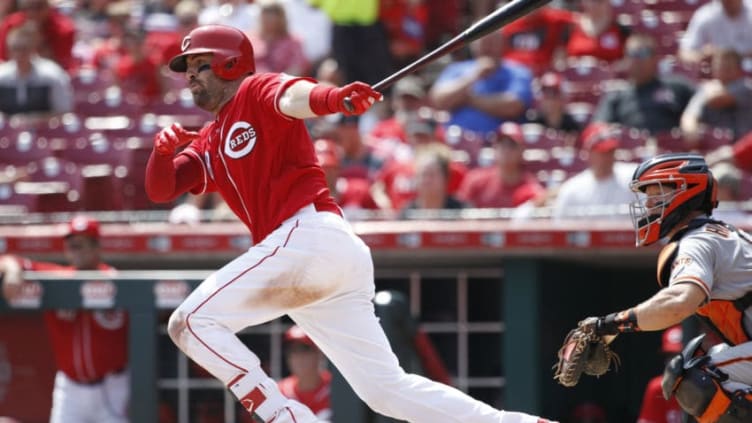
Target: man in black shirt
648 101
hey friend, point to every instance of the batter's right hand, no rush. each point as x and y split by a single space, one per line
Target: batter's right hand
169 139
355 98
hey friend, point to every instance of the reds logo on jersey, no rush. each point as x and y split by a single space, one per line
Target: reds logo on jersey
240 140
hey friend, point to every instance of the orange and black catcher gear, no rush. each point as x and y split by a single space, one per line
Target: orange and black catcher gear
693 189
231 49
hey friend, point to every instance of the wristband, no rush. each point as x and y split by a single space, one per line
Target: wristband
614 323
323 100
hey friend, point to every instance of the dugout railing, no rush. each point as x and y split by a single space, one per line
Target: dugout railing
496 298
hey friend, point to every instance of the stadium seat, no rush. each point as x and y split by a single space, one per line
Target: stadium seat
663 28
713 138
671 141
22 146
540 136
581 111
87 80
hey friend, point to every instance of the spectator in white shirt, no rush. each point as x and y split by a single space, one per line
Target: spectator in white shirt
602 190
32 87
718 24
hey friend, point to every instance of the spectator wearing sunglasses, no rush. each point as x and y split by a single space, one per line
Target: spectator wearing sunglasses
649 100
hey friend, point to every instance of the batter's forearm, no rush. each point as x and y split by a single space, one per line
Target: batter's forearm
161 177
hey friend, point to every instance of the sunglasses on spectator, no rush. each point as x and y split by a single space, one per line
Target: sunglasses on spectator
640 53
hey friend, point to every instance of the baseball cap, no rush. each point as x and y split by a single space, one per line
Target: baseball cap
296 334
512 131
410 85
327 152
550 80
600 136
672 340
82 225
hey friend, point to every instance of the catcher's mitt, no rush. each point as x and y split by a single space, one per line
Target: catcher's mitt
584 352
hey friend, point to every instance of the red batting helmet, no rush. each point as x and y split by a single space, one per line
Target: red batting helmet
296 334
232 50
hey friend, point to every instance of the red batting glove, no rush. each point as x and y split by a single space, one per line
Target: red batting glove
169 139
360 97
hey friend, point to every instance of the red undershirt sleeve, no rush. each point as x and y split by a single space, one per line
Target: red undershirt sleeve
169 177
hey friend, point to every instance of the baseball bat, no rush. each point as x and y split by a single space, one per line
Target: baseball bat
509 12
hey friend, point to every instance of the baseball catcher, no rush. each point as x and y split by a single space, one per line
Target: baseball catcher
703 269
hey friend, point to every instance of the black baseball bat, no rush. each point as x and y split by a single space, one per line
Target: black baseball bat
509 12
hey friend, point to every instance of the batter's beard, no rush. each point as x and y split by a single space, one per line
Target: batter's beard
202 98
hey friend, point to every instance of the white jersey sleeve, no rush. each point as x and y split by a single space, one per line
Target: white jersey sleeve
718 259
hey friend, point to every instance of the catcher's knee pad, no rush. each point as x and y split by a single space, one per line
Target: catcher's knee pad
698 390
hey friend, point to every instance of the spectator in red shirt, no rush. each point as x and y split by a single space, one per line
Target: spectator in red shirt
405 22
90 347
538 39
407 99
349 193
432 173
274 47
505 184
165 44
58 31
740 154
597 33
137 70
309 381
395 184
655 409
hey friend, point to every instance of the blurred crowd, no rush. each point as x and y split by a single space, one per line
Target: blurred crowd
552 112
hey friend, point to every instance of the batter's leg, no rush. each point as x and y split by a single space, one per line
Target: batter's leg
255 288
346 329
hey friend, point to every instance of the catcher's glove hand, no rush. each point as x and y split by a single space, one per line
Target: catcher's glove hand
584 351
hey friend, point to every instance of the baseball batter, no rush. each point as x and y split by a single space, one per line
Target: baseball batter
306 261
90 346
704 269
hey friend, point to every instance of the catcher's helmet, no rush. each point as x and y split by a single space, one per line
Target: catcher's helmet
232 50
693 188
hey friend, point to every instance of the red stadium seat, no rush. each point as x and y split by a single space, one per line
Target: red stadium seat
662 28
20 147
542 137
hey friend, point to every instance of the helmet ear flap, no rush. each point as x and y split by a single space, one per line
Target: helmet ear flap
711 195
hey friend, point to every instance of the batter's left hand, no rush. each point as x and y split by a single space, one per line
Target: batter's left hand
168 140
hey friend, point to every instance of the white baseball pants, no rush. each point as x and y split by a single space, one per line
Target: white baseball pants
735 362
104 402
316 270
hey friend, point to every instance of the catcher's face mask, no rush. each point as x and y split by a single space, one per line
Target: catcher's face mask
653 201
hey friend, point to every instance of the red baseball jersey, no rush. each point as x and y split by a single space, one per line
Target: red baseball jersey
655 409
608 46
87 344
261 161
533 38
316 399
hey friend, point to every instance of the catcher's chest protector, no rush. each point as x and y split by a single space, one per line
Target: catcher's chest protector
726 317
